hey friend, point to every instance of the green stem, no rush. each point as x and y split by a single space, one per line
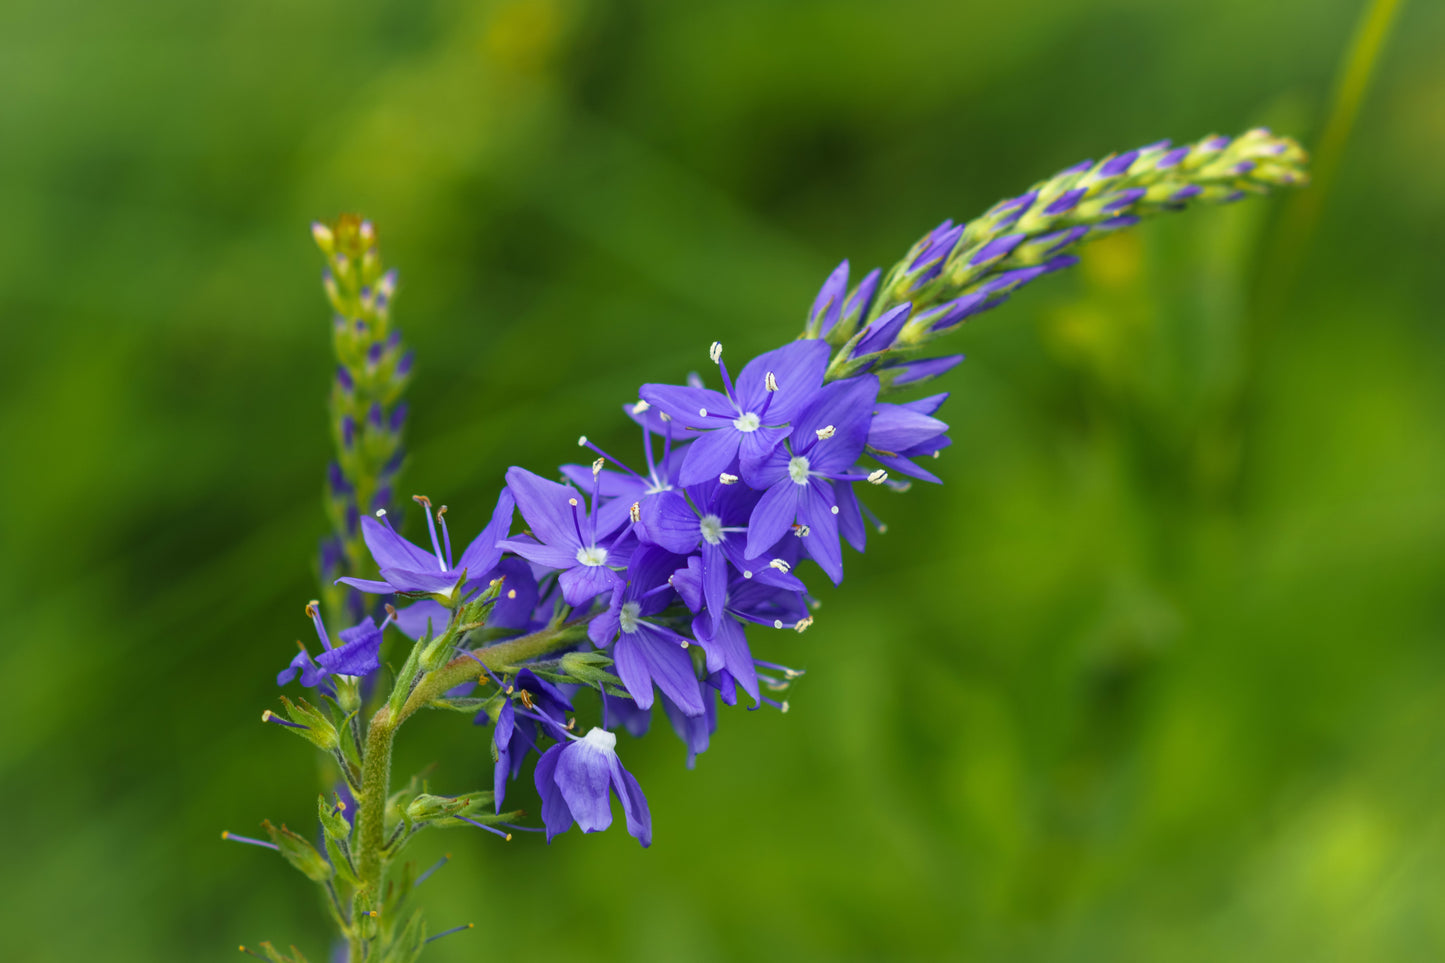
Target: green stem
376 761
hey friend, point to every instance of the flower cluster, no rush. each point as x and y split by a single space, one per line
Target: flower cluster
367 413
640 578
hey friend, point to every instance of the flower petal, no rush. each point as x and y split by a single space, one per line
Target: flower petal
545 507
583 583
822 541
634 803
584 776
772 516
483 554
798 369
555 814
686 405
710 455
668 521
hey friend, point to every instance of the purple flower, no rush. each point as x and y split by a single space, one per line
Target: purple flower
357 655
512 610
647 651
746 421
514 737
899 433
565 536
574 781
713 518
826 443
694 731
411 570
747 600
828 305
621 490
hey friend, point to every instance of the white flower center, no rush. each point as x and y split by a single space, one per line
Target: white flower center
712 529
798 470
592 555
631 612
747 422
601 739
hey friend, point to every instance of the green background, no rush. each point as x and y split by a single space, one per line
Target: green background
1156 675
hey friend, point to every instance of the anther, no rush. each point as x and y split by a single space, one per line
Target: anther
937 453
635 512
683 643
390 610
777 623
581 441
877 477
780 565
801 530
747 573
770 382
381 513
511 594
664 416
834 509
715 352
597 466
702 412
311 608
422 500
803 624
825 432
640 407
526 698
727 479
572 502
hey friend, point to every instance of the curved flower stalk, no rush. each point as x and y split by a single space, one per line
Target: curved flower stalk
650 580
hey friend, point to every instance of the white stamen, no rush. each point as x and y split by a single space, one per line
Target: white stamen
640 407
798 470
712 529
635 512
777 623
770 382
727 479
747 422
815 605
702 412
747 573
664 416
597 466
581 441
572 502
878 477
802 627
882 527
834 509
512 594
780 565
937 453
682 642
715 352
825 433
381 513
801 531
592 556
601 739
628 617
783 709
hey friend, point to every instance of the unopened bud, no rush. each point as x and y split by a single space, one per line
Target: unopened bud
323 237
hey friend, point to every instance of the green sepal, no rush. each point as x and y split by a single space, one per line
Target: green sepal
299 853
340 863
407 947
427 807
319 731
332 821
404 679
589 667
276 956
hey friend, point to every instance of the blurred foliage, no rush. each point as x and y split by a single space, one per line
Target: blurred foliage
1156 675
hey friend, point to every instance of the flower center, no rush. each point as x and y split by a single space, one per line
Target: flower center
798 470
592 555
601 739
712 529
747 422
631 612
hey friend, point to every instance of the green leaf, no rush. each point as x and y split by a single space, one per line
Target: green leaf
299 853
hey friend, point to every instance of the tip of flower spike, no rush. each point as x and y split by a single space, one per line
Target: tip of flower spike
714 353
